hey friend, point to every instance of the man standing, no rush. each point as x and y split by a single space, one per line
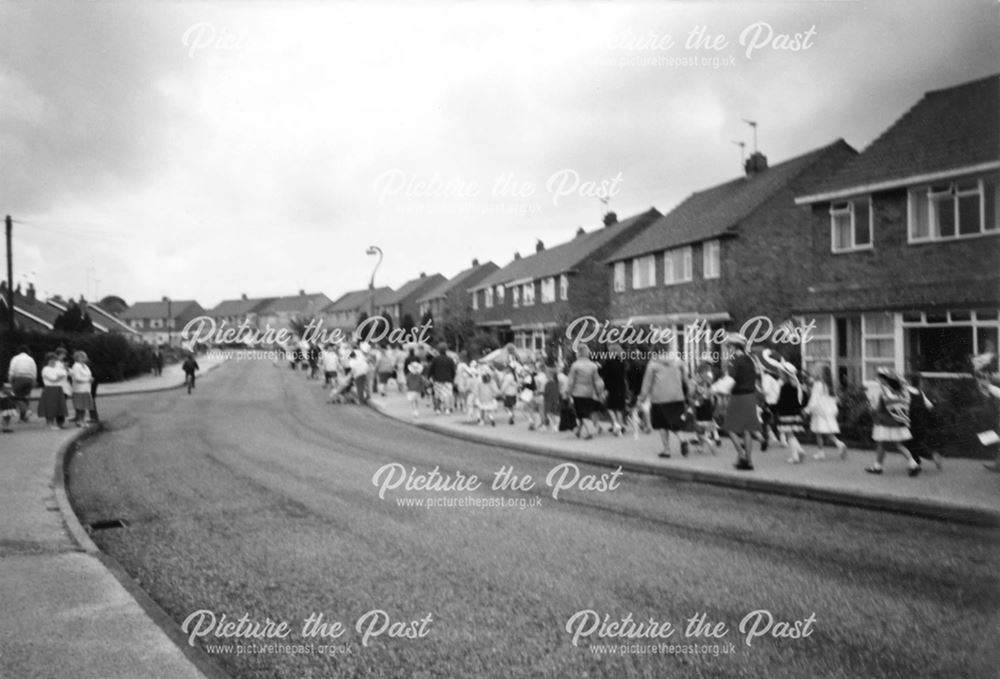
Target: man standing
22 373
359 374
443 376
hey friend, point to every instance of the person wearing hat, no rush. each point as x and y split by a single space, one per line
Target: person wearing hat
788 409
741 413
891 420
770 385
823 410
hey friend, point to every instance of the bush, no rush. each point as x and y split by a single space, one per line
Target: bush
112 357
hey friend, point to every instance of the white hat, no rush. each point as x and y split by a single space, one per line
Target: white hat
736 338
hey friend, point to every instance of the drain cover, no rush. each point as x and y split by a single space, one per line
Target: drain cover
106 524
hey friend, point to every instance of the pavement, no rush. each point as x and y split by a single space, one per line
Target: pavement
70 611
962 491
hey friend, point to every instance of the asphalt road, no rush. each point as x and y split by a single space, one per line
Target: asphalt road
254 497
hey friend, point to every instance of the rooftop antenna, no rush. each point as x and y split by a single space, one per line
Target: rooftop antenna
743 155
606 202
753 124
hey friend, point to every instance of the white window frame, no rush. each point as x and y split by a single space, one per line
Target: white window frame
156 323
927 194
686 265
501 292
842 208
548 290
647 263
475 300
528 294
711 259
489 298
515 297
619 277
563 287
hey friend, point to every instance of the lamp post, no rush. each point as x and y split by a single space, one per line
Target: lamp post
373 250
170 315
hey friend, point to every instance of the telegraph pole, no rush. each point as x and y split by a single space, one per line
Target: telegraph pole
10 275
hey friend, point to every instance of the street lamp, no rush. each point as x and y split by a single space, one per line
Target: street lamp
373 250
170 314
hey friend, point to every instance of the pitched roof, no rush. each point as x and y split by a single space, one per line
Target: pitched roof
105 317
31 313
158 309
355 299
565 256
239 307
442 290
415 286
947 129
296 303
718 211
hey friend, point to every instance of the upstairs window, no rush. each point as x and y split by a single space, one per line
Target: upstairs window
489 298
548 290
515 296
643 272
563 287
960 209
851 225
677 265
500 294
475 300
529 294
619 277
711 255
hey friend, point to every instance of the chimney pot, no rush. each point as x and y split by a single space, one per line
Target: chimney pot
610 219
539 246
475 262
756 163
423 274
517 255
302 293
31 291
580 232
243 296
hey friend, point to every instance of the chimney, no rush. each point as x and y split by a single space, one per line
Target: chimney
423 274
756 163
580 232
610 219
302 293
475 262
31 291
539 246
243 296
165 299
517 256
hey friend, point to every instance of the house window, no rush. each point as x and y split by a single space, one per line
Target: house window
156 323
515 296
475 300
961 209
548 290
500 294
529 294
489 298
136 324
619 276
942 341
424 308
878 332
677 265
643 272
851 225
563 287
711 256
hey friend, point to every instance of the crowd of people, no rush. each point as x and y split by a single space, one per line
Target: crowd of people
752 399
63 378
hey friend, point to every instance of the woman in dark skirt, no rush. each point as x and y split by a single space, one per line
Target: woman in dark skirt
665 385
52 404
616 389
741 413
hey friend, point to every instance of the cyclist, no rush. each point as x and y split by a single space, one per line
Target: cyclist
189 367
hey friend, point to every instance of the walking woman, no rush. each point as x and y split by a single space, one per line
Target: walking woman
891 420
822 410
665 385
83 401
613 374
741 412
584 387
52 404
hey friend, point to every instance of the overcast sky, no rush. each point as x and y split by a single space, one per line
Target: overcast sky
203 150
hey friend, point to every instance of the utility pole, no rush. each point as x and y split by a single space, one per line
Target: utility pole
10 275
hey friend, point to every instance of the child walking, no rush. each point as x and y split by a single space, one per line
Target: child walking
822 410
8 408
703 404
891 420
486 399
414 386
788 411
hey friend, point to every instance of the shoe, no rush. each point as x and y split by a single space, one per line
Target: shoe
684 448
914 471
873 470
531 427
763 446
511 419
936 456
793 460
493 423
821 455
843 451
664 455
743 466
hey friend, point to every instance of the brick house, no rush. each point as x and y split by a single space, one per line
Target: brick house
529 297
451 296
345 312
234 312
402 303
905 242
281 311
724 255
161 322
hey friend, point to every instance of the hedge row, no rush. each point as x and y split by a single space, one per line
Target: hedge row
112 357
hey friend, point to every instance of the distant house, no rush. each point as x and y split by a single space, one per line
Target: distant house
102 319
345 313
724 255
161 322
452 296
235 312
280 311
524 300
30 313
904 241
402 303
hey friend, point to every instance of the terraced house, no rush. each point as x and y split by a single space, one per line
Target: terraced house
905 242
401 304
529 297
724 255
451 296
